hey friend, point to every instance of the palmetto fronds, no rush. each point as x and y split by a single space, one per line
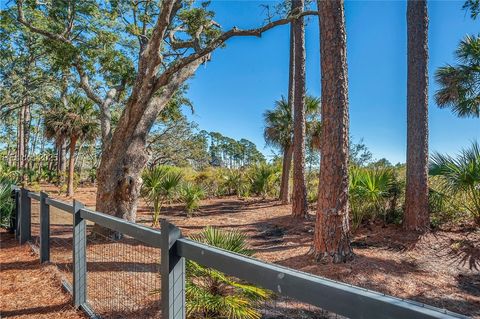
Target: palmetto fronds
78 120
460 174
6 202
370 190
460 84
212 294
159 185
191 195
278 130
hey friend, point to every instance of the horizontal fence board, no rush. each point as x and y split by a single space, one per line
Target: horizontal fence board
35 196
66 207
337 297
144 234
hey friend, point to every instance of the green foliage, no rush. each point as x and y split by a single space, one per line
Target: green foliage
191 195
160 184
175 141
312 186
460 176
6 202
235 182
8 177
210 180
264 179
473 6
227 152
460 84
359 154
278 130
372 193
212 294
77 121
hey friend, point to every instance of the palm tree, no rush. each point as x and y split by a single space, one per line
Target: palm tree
75 123
159 185
55 129
416 192
212 294
461 175
332 239
460 84
279 133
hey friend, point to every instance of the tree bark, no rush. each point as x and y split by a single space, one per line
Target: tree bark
332 239
26 135
20 138
288 150
123 160
299 204
416 193
71 166
284 186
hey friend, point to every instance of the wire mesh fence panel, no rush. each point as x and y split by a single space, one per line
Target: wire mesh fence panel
35 223
61 236
212 294
123 277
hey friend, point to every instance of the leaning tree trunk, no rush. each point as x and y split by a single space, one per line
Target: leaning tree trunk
331 239
288 150
125 156
299 204
416 193
71 166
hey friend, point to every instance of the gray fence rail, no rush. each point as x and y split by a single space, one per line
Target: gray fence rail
336 297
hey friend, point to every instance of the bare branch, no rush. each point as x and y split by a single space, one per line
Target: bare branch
234 32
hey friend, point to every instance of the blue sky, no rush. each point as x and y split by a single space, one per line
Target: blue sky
233 90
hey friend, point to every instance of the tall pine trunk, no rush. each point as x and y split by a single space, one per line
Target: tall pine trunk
71 166
288 149
20 138
299 204
416 193
332 239
284 186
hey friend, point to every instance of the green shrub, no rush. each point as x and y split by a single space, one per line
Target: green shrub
210 180
265 180
312 187
191 195
212 294
372 193
459 177
160 184
6 202
235 182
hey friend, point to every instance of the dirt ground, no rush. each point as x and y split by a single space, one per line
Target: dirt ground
441 268
28 289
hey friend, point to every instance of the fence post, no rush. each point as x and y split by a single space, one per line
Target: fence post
44 228
79 256
25 216
172 274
